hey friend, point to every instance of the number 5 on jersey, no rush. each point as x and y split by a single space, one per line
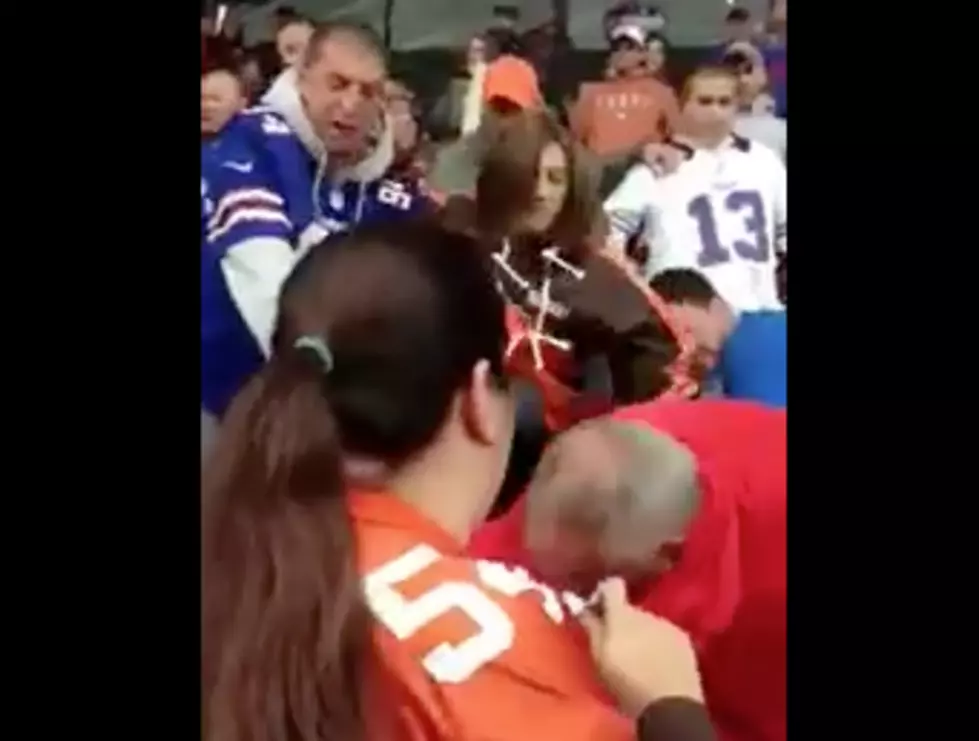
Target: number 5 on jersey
446 663
494 635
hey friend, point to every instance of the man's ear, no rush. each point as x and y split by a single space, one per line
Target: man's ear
480 414
668 555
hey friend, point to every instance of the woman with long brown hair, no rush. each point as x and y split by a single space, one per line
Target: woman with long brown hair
333 611
590 333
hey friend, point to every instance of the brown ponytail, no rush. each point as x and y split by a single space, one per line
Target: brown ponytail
285 630
377 333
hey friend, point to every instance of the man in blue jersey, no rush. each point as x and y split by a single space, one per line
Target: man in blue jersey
748 350
279 179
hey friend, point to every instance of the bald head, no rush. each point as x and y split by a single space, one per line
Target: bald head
608 495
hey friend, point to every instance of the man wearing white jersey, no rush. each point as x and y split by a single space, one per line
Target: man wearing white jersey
722 210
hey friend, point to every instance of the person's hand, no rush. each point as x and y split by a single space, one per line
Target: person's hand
404 132
662 158
641 657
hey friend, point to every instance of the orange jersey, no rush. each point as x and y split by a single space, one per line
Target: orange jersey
482 652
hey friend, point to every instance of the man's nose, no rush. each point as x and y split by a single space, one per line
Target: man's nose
351 98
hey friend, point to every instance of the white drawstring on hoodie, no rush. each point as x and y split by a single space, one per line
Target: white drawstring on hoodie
283 98
255 269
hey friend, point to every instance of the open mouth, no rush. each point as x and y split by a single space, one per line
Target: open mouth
343 128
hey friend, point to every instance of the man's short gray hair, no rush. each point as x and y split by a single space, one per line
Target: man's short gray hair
628 485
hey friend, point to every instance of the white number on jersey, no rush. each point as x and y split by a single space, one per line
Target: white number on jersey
495 633
393 194
445 663
274 125
512 582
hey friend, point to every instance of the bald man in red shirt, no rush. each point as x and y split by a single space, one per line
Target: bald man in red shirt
687 499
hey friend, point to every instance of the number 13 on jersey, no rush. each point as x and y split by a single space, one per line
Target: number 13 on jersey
747 207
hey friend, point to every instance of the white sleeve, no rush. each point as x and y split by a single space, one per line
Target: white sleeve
254 271
783 140
630 205
780 207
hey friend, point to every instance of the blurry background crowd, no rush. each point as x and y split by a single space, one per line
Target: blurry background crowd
637 241
608 70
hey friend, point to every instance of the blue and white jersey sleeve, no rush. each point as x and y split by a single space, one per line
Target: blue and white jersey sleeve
250 233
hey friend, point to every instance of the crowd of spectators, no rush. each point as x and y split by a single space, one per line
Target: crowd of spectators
366 253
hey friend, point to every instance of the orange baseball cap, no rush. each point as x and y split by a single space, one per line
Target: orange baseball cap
513 79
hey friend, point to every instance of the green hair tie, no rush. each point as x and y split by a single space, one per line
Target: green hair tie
318 346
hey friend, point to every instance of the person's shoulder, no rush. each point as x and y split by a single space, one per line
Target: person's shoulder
397 194
258 132
262 119
746 420
631 177
587 90
231 162
710 424
640 173
660 86
446 595
756 156
768 321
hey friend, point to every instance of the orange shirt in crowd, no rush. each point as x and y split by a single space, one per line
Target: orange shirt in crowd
477 650
614 116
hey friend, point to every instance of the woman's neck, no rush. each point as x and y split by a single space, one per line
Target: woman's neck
439 491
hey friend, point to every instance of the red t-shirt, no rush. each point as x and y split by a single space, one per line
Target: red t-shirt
729 588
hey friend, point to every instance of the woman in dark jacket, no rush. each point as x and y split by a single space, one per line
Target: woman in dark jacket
581 326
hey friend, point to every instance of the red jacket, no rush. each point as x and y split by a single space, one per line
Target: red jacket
729 588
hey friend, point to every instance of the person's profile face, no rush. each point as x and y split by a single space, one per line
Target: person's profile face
709 328
343 91
628 58
553 182
710 105
566 558
751 81
291 42
221 97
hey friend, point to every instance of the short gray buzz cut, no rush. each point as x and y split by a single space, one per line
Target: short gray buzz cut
362 33
657 490
630 486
